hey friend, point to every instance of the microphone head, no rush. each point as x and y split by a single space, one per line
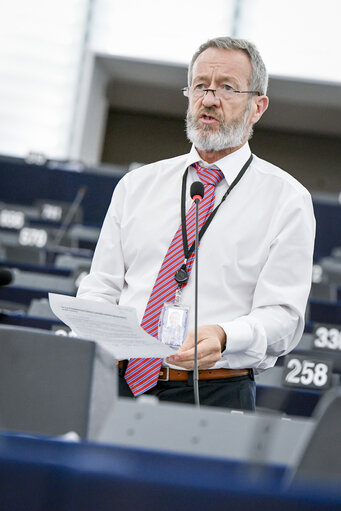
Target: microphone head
6 277
197 190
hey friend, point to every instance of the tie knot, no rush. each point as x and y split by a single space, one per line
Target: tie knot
208 176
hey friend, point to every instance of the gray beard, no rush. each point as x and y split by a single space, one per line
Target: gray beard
227 137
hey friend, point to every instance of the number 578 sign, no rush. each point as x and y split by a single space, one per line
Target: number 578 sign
300 371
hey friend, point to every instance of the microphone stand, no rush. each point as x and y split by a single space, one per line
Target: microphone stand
195 372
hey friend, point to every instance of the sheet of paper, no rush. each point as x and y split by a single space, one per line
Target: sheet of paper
114 327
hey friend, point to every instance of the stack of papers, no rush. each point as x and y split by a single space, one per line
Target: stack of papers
113 327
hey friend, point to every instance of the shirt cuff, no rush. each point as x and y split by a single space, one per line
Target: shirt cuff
239 336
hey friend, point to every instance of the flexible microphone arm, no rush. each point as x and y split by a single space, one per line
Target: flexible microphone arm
70 214
197 193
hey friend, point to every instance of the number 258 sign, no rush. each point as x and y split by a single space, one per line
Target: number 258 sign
301 372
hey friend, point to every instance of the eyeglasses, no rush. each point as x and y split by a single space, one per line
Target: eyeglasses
223 92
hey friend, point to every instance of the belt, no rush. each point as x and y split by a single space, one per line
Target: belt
168 374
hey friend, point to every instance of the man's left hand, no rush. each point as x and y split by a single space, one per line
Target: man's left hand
211 342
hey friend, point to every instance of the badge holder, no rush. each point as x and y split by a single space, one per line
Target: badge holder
174 316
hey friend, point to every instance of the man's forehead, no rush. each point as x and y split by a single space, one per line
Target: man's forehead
225 61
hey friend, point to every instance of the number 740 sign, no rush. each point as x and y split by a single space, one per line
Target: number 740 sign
302 372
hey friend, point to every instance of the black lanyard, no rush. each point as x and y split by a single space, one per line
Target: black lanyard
181 276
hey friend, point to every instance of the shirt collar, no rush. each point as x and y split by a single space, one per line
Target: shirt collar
230 165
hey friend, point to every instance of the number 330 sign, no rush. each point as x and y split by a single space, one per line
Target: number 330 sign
299 371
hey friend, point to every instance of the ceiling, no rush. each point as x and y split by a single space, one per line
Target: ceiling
155 88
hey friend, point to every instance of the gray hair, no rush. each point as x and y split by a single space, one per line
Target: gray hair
259 76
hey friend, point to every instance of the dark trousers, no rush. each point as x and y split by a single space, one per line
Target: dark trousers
238 393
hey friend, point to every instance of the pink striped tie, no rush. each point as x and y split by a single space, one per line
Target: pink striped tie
142 373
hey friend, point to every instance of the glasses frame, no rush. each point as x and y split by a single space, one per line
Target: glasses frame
186 91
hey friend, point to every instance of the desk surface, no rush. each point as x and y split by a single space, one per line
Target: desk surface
38 473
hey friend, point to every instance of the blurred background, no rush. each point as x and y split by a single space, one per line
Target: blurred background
99 81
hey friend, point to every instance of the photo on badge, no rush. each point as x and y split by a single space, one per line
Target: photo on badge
173 324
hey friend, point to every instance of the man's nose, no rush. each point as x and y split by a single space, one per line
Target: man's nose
210 98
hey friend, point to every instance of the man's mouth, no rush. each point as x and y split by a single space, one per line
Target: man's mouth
208 119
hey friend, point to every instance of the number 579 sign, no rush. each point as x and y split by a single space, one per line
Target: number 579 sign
300 371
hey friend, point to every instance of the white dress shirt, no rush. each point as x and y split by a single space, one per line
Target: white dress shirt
255 259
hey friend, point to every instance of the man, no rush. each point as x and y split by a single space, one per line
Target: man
255 257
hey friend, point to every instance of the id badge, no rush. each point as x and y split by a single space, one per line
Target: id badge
173 324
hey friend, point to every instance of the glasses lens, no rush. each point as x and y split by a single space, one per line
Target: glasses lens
225 92
197 93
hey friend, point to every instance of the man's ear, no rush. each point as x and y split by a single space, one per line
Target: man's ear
260 104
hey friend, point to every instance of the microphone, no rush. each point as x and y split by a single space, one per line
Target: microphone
197 193
6 277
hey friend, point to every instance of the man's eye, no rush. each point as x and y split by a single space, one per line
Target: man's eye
227 87
200 86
